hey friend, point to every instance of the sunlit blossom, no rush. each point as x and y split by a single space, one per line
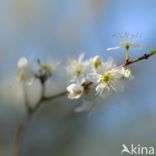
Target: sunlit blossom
127 74
46 69
78 68
22 62
126 41
96 62
75 90
108 78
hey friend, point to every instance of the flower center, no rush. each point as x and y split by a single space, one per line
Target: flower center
106 77
78 71
46 69
97 63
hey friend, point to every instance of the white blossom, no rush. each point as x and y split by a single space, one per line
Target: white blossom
96 62
48 67
89 77
126 41
108 78
25 73
22 62
127 74
78 68
75 90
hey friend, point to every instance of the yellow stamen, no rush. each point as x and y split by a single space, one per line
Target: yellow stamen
78 71
106 77
46 69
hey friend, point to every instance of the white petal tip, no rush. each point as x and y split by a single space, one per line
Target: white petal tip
22 62
114 48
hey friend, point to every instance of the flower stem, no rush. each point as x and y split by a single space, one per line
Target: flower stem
45 99
127 53
22 125
19 131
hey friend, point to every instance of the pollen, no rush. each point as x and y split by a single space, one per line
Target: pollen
106 77
46 69
78 71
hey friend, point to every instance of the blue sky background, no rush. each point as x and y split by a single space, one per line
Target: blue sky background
62 29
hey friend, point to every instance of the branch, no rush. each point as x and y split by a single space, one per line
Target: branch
30 111
22 125
45 99
19 133
144 57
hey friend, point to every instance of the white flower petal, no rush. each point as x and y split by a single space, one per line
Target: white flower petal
78 68
116 73
31 81
73 96
136 46
26 75
100 88
75 91
114 48
81 57
22 62
127 39
126 72
109 64
93 77
117 86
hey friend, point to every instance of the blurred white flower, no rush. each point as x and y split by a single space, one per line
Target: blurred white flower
25 73
47 68
75 90
78 68
108 78
126 41
96 62
22 62
127 74
107 65
84 107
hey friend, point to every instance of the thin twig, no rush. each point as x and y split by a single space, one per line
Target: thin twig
19 131
22 124
45 99
21 127
144 57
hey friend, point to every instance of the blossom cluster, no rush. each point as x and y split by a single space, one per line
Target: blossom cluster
27 74
94 78
89 80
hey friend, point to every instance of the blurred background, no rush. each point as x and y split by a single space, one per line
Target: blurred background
61 29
